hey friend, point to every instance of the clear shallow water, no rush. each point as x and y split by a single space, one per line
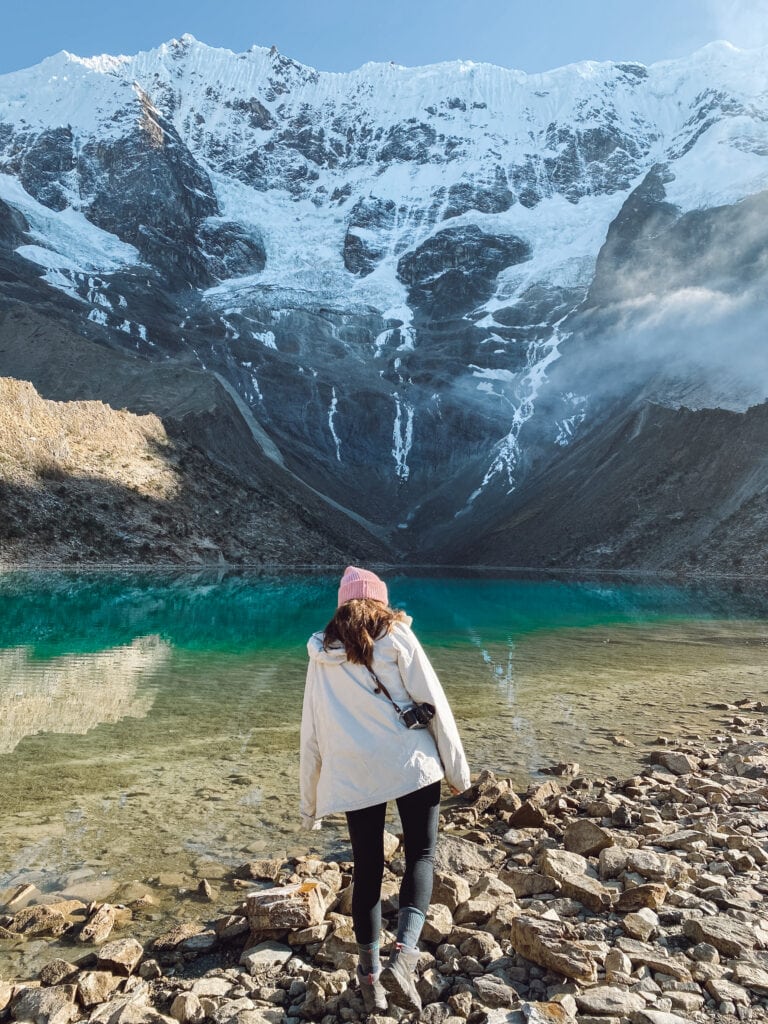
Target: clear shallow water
149 723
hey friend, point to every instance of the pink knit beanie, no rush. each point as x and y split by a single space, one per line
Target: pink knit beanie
359 583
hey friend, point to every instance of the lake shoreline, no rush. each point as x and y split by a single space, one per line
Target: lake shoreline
576 573
656 883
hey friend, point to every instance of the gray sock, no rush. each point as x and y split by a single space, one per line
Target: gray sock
369 958
410 921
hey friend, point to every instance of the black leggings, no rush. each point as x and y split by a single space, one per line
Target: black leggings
419 814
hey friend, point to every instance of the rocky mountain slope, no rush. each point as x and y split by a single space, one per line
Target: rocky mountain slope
459 313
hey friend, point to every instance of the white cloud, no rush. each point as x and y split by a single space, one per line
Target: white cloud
742 22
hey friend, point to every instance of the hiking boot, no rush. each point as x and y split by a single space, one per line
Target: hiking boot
372 992
399 978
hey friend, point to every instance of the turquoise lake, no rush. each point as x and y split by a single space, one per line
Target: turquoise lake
149 722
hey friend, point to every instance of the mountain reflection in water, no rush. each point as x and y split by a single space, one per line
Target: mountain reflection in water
73 693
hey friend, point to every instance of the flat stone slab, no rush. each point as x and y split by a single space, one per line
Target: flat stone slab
544 943
730 937
461 857
265 957
609 1000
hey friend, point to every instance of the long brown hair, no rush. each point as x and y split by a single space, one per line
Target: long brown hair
357 624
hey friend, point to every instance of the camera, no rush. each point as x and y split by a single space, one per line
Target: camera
417 716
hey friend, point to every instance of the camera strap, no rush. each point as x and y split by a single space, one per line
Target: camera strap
381 688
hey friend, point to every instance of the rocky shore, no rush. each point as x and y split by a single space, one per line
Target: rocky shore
591 900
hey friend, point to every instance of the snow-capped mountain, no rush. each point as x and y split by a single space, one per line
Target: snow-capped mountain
430 292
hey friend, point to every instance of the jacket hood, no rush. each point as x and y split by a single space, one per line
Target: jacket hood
333 656
337 655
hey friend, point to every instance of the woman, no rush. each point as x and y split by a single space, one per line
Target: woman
357 753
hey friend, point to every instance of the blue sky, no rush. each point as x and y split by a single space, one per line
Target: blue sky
337 35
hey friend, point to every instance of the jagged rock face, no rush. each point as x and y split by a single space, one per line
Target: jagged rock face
425 286
455 270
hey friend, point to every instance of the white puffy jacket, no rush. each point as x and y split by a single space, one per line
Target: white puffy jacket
355 751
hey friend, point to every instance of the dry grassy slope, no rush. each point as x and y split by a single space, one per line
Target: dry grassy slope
44 440
83 481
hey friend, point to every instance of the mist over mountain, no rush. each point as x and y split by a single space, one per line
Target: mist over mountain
456 313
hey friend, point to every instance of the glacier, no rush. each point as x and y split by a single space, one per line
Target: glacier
439 281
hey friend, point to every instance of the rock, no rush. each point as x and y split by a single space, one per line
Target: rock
528 815
704 953
231 927
338 946
180 933
612 861
456 856
6 993
211 986
438 923
450 890
94 987
481 945
509 801
40 920
94 890
494 992
651 895
266 870
730 937
685 839
723 990
676 762
642 924
655 957
433 987
527 882
545 1013
648 1016
306 936
475 911
391 845
99 925
605 1000
205 891
544 943
130 1009
433 1012
617 962
688 1002
491 886
287 907
186 1009
21 896
588 891
500 921
562 768
752 977
121 956
470 966
56 971
264 957
150 970
54 1005
658 867
586 838
559 863
461 1003
202 942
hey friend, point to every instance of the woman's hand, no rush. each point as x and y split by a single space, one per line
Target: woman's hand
454 791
